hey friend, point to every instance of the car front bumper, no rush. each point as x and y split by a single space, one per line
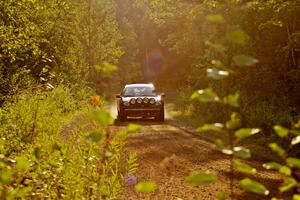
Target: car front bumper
143 112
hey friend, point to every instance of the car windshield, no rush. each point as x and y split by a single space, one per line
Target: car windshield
139 91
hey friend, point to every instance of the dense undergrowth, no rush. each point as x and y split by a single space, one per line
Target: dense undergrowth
55 144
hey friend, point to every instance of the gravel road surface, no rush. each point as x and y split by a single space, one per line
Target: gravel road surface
167 154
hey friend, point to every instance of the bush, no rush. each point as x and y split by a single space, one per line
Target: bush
43 157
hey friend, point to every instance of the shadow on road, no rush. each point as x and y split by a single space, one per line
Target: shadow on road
140 121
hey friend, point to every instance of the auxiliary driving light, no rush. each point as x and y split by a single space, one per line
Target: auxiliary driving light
139 100
132 101
152 101
146 100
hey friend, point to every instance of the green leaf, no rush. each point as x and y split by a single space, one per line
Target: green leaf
6 176
215 18
254 187
94 136
146 186
246 132
131 128
237 37
241 152
22 163
216 73
201 178
272 165
293 162
218 127
243 168
295 132
206 95
244 60
288 184
285 170
232 100
296 197
276 148
281 131
217 47
234 122
222 196
219 144
102 117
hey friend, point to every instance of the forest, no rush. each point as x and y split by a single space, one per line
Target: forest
231 73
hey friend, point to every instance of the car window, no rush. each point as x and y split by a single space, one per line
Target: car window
139 91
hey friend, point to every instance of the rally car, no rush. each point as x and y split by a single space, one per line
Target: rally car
140 100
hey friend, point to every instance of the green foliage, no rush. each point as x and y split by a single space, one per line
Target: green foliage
207 95
146 186
246 132
231 135
243 168
244 60
254 187
281 131
201 178
46 153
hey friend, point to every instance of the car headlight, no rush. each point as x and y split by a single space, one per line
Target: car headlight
146 100
132 101
152 101
139 100
126 103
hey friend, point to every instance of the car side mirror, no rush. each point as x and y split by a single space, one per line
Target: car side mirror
118 96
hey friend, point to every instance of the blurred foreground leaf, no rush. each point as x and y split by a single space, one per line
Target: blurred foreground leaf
254 187
272 165
276 148
237 37
222 196
246 132
281 131
215 18
243 168
288 184
241 152
244 60
218 127
234 122
293 162
146 186
201 178
285 170
232 100
206 95
296 197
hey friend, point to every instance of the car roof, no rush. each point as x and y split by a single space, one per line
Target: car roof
139 85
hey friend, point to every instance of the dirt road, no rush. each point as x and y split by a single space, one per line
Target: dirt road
168 154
